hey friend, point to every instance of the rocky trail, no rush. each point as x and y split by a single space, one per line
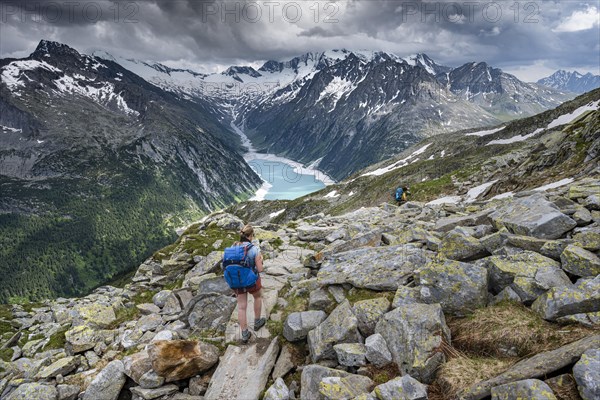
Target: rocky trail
495 298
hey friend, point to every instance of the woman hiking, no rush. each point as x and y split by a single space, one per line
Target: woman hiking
253 260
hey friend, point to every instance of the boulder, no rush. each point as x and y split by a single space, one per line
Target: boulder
580 262
62 367
340 327
68 392
311 377
538 366
569 300
284 363
83 337
368 312
460 288
277 391
148 308
378 268
587 374
583 190
98 315
160 298
406 295
402 388
151 380
211 312
447 224
298 324
310 233
137 365
377 351
458 246
414 334
346 387
588 238
150 394
243 371
528 273
582 216
149 322
351 354
181 359
319 299
531 389
34 391
532 216
108 383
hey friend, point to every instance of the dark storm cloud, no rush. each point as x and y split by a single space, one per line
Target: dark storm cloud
522 36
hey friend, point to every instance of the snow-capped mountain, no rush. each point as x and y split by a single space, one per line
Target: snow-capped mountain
349 109
571 81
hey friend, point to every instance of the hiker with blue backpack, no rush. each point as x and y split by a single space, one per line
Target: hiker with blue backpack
401 194
242 265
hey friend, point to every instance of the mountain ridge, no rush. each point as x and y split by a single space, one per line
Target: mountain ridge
572 81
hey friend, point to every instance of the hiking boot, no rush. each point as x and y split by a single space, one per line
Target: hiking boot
259 323
245 336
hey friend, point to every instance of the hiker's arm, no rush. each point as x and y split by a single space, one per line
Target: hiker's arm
258 261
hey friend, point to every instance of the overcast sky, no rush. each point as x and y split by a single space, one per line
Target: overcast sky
528 39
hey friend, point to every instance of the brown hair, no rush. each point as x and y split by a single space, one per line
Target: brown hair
246 232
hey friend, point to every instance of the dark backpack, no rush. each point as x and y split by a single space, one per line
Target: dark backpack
399 193
237 271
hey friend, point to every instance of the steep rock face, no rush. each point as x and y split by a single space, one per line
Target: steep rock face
91 153
571 81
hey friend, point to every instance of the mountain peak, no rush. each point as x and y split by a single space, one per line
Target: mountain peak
48 47
572 81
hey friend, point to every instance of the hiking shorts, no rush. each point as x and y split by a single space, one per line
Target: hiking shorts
252 290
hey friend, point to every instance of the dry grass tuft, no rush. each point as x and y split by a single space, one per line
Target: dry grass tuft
510 329
564 387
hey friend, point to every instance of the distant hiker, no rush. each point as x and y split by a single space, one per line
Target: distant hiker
242 265
401 194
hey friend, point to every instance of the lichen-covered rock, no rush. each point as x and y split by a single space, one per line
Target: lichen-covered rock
569 300
368 312
277 391
83 337
137 365
340 327
98 315
414 334
149 322
378 268
406 295
583 190
580 262
108 383
528 273
346 387
161 392
298 324
311 377
211 312
447 224
587 374
531 389
458 287
320 299
402 388
60 367
175 360
351 354
160 298
377 351
588 238
458 246
34 391
532 216
309 233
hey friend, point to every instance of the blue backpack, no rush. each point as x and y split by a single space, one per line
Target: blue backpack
238 273
399 193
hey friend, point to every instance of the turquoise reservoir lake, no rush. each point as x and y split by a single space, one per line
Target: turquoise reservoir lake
283 181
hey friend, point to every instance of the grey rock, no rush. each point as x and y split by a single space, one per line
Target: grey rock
582 216
377 350
211 311
311 377
569 300
414 334
108 383
351 354
447 224
34 391
320 299
587 374
310 233
592 202
532 216
380 268
458 246
61 367
368 312
460 288
298 324
160 298
149 322
588 238
150 394
284 363
580 262
506 294
406 295
68 392
172 305
277 391
148 308
150 380
340 327
402 388
532 389
345 387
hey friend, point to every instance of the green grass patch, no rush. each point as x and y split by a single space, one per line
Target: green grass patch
124 314
57 340
143 297
356 294
6 354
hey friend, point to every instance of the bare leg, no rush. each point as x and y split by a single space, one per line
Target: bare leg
257 304
242 300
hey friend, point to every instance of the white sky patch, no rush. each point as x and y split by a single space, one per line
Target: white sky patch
398 164
484 133
475 192
333 194
580 21
276 213
554 185
446 200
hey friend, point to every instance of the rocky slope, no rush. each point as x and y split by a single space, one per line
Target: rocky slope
440 301
97 167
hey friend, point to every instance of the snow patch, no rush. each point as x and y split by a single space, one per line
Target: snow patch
398 164
276 213
13 72
475 192
446 200
8 128
554 185
503 196
484 133
333 194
